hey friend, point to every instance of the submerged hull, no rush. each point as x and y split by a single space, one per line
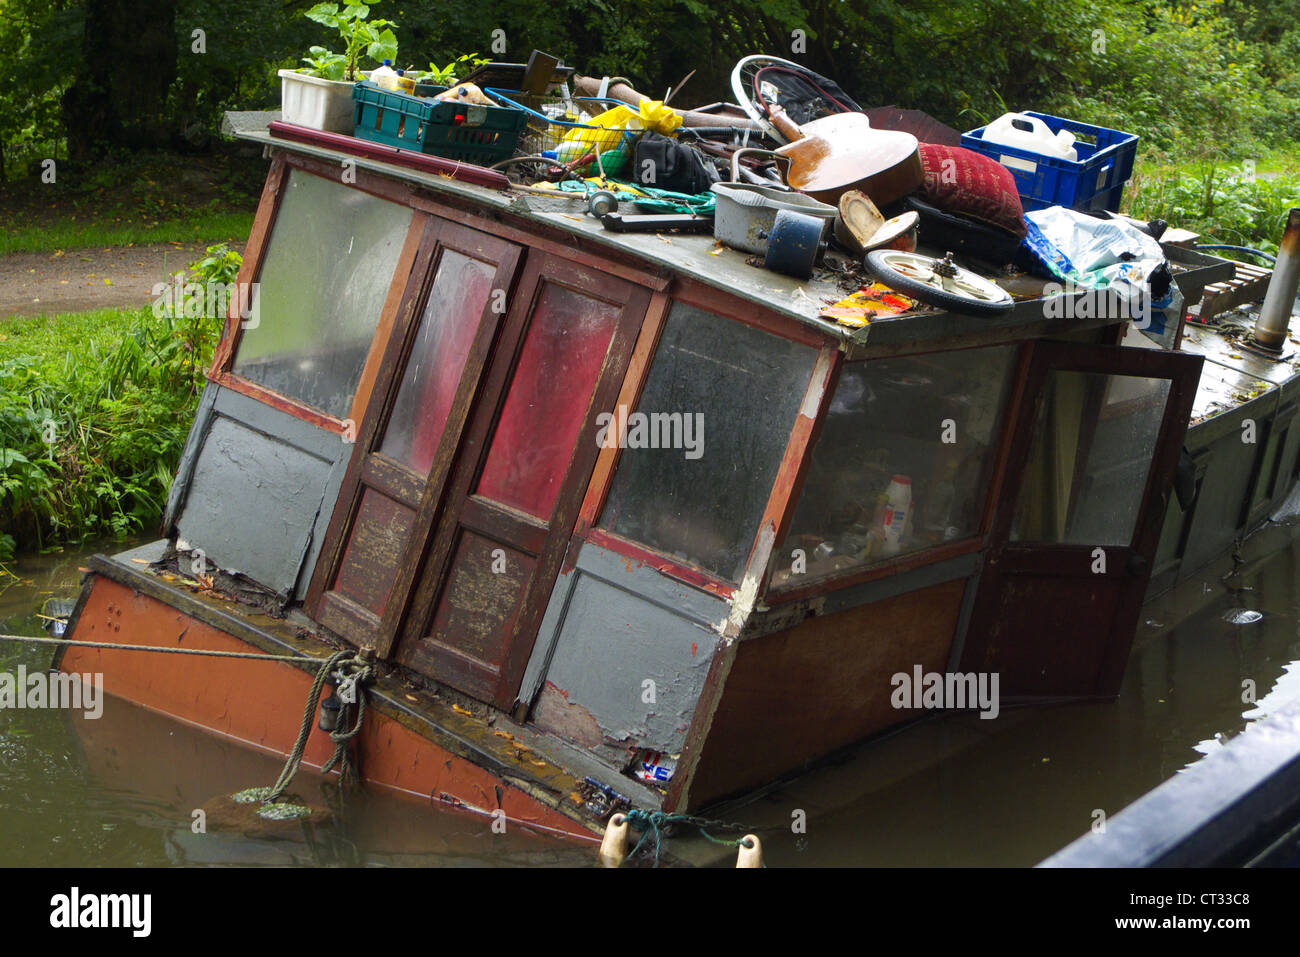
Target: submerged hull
259 705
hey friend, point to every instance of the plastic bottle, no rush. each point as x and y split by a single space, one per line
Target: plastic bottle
404 84
1029 133
898 510
384 76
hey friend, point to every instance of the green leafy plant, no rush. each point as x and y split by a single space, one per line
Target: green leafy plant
360 35
457 68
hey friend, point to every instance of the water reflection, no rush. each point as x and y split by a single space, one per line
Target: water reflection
951 791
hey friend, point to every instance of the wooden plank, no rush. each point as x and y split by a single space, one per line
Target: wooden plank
251 266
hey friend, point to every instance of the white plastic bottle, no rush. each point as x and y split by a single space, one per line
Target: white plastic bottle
385 77
898 510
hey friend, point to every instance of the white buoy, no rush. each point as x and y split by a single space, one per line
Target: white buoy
613 846
751 852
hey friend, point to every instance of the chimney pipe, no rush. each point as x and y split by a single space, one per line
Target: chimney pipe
1275 314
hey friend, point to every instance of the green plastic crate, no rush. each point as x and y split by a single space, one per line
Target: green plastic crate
480 135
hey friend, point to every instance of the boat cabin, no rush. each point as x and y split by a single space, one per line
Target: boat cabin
632 492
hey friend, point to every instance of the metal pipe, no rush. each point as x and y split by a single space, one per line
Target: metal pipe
1275 314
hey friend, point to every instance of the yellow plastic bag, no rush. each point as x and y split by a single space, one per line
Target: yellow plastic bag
652 115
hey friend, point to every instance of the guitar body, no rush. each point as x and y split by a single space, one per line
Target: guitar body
841 152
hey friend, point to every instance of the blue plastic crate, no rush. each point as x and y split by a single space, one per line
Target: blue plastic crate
1094 182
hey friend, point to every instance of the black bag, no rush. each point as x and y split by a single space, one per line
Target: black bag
664 163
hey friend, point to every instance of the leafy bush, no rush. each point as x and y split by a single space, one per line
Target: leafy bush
90 438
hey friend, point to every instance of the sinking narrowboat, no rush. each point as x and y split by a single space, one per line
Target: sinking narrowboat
614 516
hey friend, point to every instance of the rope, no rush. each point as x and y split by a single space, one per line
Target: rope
359 672
650 823
111 646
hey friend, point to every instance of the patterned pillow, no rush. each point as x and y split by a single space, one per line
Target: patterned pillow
962 181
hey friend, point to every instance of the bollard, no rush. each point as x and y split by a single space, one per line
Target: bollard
751 852
613 846
1275 314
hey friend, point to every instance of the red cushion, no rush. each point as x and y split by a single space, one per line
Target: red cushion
962 181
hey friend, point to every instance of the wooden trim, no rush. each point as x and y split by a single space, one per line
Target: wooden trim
1010 419
497 521
388 317
836 581
251 265
564 516
339 529
674 568
697 733
729 306
794 464
228 380
425 163
602 477
544 239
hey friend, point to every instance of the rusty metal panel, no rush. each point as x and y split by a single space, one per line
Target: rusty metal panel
611 625
262 487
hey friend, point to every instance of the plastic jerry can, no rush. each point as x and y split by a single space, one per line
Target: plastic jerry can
1031 134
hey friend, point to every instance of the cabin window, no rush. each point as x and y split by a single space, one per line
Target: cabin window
915 436
432 375
568 337
701 451
1087 469
324 278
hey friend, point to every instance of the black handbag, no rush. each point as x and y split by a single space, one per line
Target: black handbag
661 162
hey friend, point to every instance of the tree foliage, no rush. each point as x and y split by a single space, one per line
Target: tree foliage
1193 77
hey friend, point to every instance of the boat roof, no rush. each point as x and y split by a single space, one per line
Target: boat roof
701 258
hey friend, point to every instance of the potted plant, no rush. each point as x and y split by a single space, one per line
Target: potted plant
320 94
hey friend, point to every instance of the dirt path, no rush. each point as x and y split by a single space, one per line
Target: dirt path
77 280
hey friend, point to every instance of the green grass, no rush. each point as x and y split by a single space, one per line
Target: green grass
204 226
94 411
46 337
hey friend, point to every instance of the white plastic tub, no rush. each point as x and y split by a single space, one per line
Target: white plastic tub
316 103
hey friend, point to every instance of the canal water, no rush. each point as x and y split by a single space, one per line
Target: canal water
953 791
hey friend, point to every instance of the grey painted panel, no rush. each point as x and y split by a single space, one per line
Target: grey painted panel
185 467
612 623
253 502
1221 502
610 643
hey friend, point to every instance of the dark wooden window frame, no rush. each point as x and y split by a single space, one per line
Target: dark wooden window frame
727 307
834 581
255 254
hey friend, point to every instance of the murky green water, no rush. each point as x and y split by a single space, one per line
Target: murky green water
122 790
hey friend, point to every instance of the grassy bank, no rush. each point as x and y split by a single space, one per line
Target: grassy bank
94 410
1241 204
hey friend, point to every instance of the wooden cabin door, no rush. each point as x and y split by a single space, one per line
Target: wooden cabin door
1089 472
519 480
450 316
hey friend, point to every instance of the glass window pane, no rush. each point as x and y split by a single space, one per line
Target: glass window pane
902 463
451 318
1091 453
549 395
736 391
321 289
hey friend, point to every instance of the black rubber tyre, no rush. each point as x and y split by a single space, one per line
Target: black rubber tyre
878 266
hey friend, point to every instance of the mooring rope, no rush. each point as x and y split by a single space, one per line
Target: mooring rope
650 823
358 672
112 646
